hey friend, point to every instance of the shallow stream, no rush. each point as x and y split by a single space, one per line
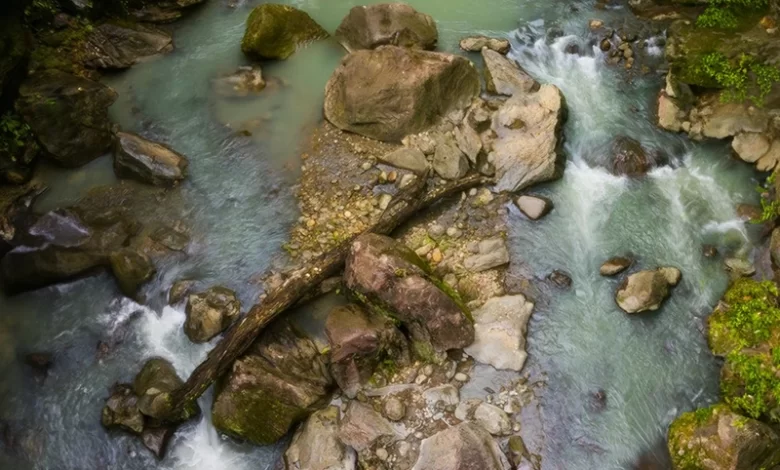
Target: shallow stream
239 201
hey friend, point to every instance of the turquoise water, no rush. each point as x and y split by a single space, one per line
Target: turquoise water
239 204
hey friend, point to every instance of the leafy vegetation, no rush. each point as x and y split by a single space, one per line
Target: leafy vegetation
726 14
15 134
770 206
750 384
746 78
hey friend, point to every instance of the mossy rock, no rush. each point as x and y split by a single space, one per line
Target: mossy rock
750 383
131 269
154 384
716 438
275 31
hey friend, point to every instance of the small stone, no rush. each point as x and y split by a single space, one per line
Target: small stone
461 377
595 24
406 180
436 231
392 176
428 370
382 177
534 207
615 266
493 419
709 251
366 166
420 379
451 280
436 256
394 409
403 448
560 279
382 454
424 250
384 200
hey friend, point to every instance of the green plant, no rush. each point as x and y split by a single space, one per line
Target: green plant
743 79
725 14
770 207
751 387
14 135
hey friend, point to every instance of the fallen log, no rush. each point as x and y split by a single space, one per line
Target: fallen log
239 337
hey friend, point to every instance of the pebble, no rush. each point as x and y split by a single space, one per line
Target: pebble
419 435
383 177
424 250
428 370
348 214
596 24
436 256
420 379
382 454
392 176
394 409
454 232
436 231
403 448
406 180
461 377
473 192
366 166
384 200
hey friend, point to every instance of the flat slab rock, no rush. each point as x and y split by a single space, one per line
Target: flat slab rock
466 446
147 161
500 328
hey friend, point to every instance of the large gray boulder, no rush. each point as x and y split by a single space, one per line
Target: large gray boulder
394 24
275 31
147 161
209 313
359 340
527 149
281 380
316 445
466 446
69 115
393 280
645 291
504 76
500 327
116 46
389 92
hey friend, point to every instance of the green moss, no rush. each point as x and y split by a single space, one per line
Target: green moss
15 135
728 14
743 78
751 316
63 50
750 384
256 416
275 31
686 455
424 351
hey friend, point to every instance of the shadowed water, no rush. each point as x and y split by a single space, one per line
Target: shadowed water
239 202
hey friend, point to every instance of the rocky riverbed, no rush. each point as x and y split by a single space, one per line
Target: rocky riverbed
459 341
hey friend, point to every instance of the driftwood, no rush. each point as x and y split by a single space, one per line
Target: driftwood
242 334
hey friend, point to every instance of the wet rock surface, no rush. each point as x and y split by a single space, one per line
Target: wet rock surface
120 46
390 92
503 76
477 43
275 31
534 207
629 158
394 24
209 313
646 290
153 386
147 161
245 81
615 266
131 269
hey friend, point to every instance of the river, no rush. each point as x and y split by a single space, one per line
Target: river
239 201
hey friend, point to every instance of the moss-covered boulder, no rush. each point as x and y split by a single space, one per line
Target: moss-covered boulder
716 438
390 92
131 269
153 386
279 382
359 342
275 31
392 280
121 410
69 116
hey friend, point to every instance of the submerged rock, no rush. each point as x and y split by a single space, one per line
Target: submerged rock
210 313
243 82
463 447
629 158
359 341
316 445
390 92
278 383
534 207
560 279
395 24
115 46
615 266
121 410
504 76
147 161
131 269
393 280
69 116
275 31
153 386
477 43
499 332
716 438
646 290
527 148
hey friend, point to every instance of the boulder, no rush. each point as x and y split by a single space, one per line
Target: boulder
160 11
500 327
534 207
389 92
716 438
395 24
147 161
492 419
646 290
121 410
362 426
131 269
153 386
359 341
179 290
629 158
275 31
243 82
393 280
279 382
463 447
448 160
69 116
527 148
750 146
407 158
504 76
615 266
316 446
116 46
156 439
209 313
490 254
477 43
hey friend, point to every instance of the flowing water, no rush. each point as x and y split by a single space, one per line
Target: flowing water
239 201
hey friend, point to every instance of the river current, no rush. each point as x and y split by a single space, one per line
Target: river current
239 199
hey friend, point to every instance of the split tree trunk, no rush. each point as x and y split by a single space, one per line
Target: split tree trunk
242 334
